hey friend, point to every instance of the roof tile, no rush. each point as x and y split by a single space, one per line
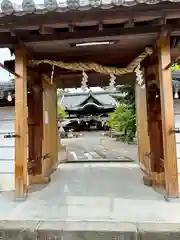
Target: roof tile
8 7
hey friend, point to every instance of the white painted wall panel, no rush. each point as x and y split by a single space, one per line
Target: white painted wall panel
177 119
7 182
178 150
8 112
7 153
177 125
7 166
177 135
6 126
7 149
6 142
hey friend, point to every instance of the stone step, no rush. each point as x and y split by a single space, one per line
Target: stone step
56 230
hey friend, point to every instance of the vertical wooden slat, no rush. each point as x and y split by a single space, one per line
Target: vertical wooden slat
169 143
21 174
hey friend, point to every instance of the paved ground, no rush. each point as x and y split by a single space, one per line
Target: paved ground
92 147
129 151
95 197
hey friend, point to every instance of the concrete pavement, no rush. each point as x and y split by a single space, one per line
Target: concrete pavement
130 151
93 147
97 199
89 201
113 192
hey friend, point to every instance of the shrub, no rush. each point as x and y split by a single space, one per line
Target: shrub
61 112
123 119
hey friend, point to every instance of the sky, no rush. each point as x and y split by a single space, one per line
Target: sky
5 76
5 55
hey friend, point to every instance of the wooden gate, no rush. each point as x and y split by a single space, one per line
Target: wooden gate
142 129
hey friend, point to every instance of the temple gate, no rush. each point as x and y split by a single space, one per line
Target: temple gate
54 48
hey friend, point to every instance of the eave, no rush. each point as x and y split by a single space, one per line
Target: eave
99 107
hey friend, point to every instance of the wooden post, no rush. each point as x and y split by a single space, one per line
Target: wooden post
167 110
142 128
21 174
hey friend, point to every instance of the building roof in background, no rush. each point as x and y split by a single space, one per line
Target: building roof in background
23 7
74 100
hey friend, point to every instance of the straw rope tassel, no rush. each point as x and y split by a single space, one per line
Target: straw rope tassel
136 62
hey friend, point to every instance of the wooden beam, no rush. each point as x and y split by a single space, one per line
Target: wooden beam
23 46
88 33
93 80
100 26
172 62
82 34
46 30
71 27
129 23
21 173
165 31
9 70
169 142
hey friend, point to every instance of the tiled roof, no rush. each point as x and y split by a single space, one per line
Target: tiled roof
72 100
18 7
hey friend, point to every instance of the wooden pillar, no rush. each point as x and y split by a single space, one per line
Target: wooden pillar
21 175
142 129
167 111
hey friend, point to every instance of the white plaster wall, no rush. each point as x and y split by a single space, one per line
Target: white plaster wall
7 147
177 125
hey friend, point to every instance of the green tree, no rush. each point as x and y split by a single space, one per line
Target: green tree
175 67
123 119
61 114
127 95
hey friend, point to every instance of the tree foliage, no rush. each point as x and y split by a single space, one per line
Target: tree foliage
61 112
123 119
175 67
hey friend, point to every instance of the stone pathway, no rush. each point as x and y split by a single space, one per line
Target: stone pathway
87 149
124 149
